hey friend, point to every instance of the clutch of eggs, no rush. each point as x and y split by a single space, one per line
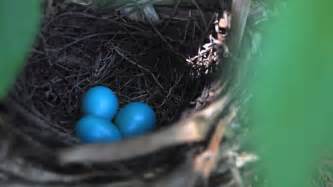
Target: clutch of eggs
100 106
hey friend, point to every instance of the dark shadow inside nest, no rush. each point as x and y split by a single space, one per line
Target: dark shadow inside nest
78 49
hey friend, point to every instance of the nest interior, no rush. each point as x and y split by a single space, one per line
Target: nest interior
80 47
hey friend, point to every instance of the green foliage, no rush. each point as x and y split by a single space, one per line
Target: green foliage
292 105
19 22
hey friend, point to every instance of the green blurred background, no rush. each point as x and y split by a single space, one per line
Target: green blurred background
292 87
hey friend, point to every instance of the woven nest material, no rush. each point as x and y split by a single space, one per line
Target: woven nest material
80 47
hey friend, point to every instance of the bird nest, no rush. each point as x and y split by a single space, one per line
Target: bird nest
80 47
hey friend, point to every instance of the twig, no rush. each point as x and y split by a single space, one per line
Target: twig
170 91
23 183
180 14
66 138
187 174
240 12
139 66
85 38
201 13
205 163
29 172
159 34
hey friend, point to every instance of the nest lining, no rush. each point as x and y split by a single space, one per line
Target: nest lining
78 48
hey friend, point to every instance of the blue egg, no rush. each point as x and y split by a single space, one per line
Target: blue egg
92 129
100 101
135 119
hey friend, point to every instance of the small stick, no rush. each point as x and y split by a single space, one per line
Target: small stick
139 66
201 13
187 175
13 105
28 172
240 11
205 162
23 183
85 38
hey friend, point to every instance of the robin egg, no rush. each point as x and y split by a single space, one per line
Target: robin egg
100 101
92 129
135 118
